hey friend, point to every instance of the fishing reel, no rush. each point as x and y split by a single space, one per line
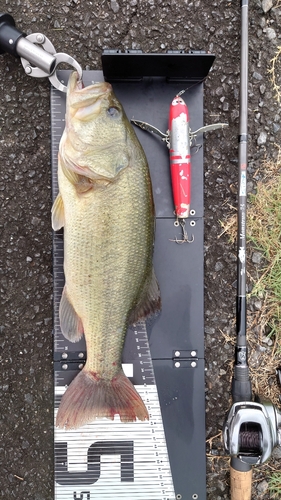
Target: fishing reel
252 430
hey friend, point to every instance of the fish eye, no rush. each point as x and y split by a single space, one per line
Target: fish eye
113 112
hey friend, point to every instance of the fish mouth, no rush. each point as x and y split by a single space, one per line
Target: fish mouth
85 97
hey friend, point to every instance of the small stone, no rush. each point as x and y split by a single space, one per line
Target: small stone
56 24
35 221
258 305
221 485
266 5
28 259
263 486
25 444
276 453
264 340
257 76
115 6
218 266
256 257
270 33
262 138
209 330
276 128
43 280
28 398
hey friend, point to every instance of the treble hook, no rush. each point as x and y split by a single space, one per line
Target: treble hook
185 239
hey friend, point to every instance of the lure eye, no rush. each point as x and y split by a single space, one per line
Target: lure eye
113 112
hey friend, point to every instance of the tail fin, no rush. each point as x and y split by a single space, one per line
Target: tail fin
89 397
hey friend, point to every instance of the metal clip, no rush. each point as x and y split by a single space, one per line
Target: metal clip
152 129
206 128
40 59
62 57
166 136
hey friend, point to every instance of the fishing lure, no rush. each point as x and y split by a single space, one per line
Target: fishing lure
179 140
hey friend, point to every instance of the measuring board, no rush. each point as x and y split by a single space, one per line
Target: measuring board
163 458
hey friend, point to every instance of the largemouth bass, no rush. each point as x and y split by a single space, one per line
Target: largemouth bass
105 205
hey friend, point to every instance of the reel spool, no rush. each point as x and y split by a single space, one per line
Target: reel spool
252 430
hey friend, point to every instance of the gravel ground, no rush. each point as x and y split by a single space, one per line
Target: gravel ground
83 29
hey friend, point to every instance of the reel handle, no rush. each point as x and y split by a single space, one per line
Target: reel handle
240 483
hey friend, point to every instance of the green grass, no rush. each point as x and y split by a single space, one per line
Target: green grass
274 483
264 233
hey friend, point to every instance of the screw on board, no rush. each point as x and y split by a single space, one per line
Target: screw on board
177 354
193 354
194 496
64 355
179 496
193 364
177 364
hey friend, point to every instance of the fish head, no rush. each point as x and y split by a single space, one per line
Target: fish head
95 141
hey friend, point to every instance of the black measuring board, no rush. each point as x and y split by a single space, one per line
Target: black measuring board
163 459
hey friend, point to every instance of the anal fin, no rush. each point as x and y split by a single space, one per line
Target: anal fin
149 302
70 323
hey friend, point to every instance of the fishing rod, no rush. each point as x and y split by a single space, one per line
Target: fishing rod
252 428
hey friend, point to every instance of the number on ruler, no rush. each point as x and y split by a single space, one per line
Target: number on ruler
81 497
123 448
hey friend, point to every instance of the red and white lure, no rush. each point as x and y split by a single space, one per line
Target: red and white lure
179 139
180 164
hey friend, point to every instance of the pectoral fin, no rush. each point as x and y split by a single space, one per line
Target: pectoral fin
70 323
149 302
58 213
